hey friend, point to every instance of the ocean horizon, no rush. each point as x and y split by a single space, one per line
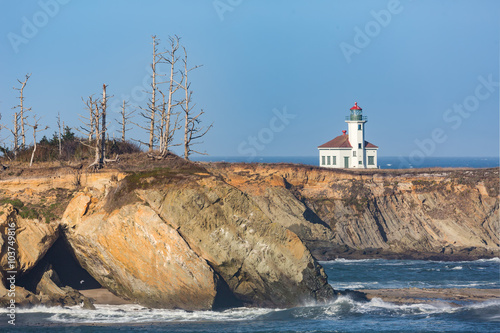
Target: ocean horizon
384 162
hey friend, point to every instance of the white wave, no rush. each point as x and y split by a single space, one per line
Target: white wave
496 259
485 304
342 306
492 260
353 285
131 313
457 268
348 261
421 308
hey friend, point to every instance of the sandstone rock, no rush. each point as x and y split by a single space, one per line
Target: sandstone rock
395 213
33 238
137 256
263 263
76 209
281 206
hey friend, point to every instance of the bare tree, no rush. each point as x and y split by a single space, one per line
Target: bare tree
35 130
15 133
59 133
192 129
125 119
22 108
91 124
150 112
104 103
99 114
169 129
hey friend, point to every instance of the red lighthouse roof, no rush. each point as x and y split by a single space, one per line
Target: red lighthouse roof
356 107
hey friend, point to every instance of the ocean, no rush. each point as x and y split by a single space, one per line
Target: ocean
384 162
341 315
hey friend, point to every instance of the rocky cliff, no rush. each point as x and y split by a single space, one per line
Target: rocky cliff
168 237
439 213
221 235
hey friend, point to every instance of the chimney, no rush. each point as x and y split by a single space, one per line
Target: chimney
344 132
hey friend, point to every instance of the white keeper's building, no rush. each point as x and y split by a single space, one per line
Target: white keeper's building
350 150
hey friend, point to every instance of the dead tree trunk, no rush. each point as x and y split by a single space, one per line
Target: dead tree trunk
22 108
152 107
161 128
35 130
169 130
15 134
103 125
99 115
92 129
192 130
125 118
59 133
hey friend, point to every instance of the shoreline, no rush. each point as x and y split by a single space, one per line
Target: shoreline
453 296
102 296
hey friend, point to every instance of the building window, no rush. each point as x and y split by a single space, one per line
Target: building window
322 160
359 127
354 153
328 160
360 162
334 160
360 146
371 160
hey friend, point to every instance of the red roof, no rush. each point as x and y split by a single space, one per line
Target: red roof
342 141
356 107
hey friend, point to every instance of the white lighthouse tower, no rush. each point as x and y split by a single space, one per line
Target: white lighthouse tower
350 150
356 129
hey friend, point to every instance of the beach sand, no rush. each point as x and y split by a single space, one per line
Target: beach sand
104 296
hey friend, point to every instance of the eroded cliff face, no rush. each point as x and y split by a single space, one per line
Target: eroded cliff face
220 235
262 262
170 238
380 213
132 252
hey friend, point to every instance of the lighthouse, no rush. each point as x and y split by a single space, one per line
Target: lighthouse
350 150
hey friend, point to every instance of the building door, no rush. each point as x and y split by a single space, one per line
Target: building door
346 161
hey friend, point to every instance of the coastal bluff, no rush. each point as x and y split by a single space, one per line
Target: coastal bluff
439 213
199 236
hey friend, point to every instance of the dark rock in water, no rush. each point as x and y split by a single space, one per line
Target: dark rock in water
355 295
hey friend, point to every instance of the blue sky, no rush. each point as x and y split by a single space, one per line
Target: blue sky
279 76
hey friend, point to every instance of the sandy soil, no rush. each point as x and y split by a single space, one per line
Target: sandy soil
415 295
103 296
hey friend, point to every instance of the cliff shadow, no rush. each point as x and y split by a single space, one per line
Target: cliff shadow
225 298
63 261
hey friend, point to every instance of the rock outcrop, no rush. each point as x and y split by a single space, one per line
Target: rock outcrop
262 262
33 238
136 255
191 243
446 214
